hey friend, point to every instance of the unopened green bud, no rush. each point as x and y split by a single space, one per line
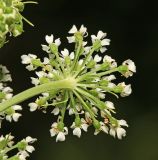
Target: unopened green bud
17 30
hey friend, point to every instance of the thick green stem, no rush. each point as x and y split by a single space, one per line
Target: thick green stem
68 83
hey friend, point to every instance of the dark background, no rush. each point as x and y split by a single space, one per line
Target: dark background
132 25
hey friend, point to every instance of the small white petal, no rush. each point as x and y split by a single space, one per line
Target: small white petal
60 137
30 139
103 49
58 42
33 106
49 39
105 42
73 30
110 105
97 58
72 55
30 148
112 132
122 123
84 127
101 35
56 111
71 39
83 29
52 132
77 132
45 48
16 116
17 107
121 133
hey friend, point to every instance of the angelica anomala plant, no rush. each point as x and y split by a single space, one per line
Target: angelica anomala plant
11 19
75 83
23 147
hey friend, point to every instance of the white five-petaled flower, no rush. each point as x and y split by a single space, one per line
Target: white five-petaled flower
127 90
104 41
131 68
14 115
111 61
29 148
60 134
77 129
27 59
73 30
50 40
66 53
103 128
119 131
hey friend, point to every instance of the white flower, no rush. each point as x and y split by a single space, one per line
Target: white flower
111 61
26 59
131 67
60 134
14 115
77 129
73 30
104 42
127 90
119 131
65 53
29 148
103 128
50 40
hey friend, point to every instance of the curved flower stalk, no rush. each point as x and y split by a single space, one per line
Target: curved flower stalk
76 83
11 20
24 148
11 113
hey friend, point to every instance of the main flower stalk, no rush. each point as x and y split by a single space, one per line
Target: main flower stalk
68 83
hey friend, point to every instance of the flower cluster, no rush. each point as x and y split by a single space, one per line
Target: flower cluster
91 76
11 20
24 147
6 94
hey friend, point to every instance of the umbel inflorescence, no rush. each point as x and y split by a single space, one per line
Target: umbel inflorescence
11 19
8 147
81 79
